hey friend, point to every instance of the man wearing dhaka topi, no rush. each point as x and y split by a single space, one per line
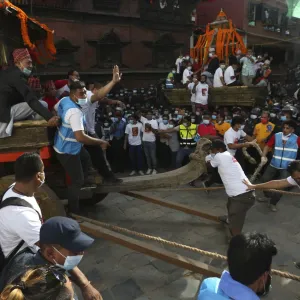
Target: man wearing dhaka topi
17 100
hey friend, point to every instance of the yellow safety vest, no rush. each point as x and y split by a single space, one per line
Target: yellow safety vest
187 135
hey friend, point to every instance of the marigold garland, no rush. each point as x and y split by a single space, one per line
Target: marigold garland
49 43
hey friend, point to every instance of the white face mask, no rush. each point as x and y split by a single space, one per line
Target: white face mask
272 115
189 68
170 126
193 120
206 122
222 67
253 117
71 261
185 124
242 127
210 55
197 113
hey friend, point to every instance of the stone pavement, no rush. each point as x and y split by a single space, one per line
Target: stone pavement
122 274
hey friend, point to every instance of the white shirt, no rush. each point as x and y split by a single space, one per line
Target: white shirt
217 76
202 93
186 73
19 223
231 173
134 132
178 64
232 137
193 96
149 136
162 126
229 72
89 111
291 181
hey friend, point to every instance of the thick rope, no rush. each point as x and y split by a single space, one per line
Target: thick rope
213 255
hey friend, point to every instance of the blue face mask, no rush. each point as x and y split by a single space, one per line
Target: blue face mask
27 72
82 101
214 117
130 121
165 122
70 261
179 117
283 118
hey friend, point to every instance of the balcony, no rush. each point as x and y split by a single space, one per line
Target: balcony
59 4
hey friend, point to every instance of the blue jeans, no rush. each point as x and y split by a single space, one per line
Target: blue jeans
150 153
136 157
181 154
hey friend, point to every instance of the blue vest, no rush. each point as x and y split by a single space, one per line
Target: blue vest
65 141
284 154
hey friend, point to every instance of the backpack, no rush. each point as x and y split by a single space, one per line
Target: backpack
13 201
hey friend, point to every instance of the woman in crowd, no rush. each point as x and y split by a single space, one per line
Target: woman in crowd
41 283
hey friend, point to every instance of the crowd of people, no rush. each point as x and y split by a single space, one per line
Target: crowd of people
98 134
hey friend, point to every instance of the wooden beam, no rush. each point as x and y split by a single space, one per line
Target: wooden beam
151 250
172 205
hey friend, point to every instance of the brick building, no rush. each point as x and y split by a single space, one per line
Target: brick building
267 25
144 37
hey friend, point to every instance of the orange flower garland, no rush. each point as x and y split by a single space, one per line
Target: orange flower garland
49 44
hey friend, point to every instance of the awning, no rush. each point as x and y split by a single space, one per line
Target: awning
43 49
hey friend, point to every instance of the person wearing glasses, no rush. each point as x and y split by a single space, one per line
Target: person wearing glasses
48 282
62 244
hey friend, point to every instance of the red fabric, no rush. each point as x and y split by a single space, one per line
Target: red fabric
196 67
204 130
20 54
271 142
61 83
34 83
49 85
51 102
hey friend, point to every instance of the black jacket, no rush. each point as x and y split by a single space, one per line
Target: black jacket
14 90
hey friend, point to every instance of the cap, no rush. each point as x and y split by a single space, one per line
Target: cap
49 85
34 83
66 233
20 54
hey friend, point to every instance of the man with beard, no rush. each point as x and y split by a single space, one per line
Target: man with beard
249 258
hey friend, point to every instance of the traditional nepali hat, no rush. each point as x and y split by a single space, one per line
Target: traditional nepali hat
49 84
34 83
20 54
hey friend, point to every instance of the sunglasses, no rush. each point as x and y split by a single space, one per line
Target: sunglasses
56 275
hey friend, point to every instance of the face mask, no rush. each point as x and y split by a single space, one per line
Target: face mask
264 120
179 117
220 122
242 127
176 112
130 121
170 126
267 287
283 118
228 121
214 117
210 55
82 101
222 67
173 71
197 113
174 119
189 68
272 115
110 114
71 261
202 81
42 181
193 120
234 115
185 124
26 71
166 112
106 124
206 122
253 117
165 122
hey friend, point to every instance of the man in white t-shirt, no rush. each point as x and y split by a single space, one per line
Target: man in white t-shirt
219 75
240 200
201 90
178 64
233 136
230 76
133 137
150 127
187 73
193 95
20 223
